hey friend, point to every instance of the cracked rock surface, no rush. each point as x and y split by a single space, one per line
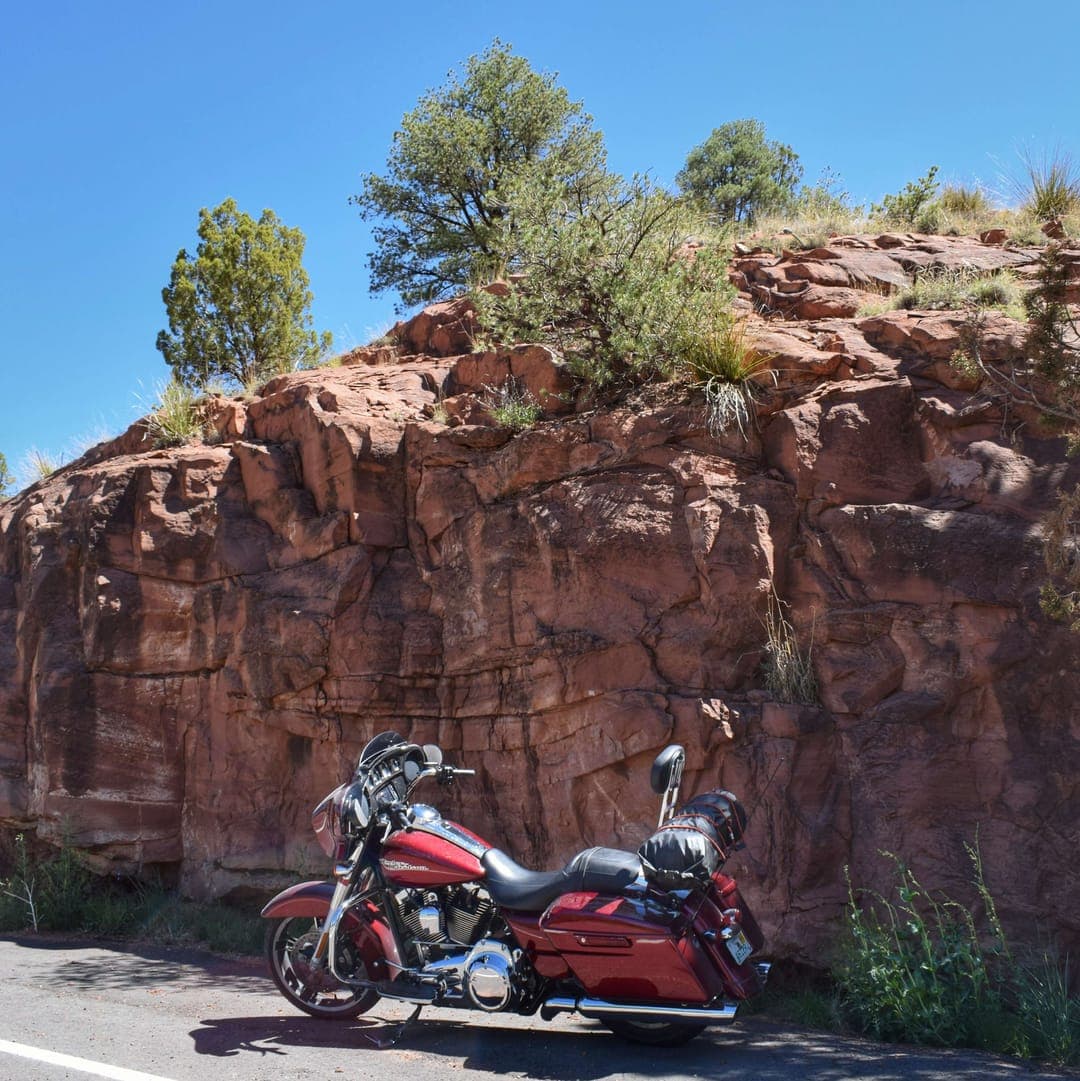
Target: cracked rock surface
196 642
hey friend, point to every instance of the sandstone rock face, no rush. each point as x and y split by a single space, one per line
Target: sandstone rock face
195 643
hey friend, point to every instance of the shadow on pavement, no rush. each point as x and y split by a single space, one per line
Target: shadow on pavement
125 965
761 1050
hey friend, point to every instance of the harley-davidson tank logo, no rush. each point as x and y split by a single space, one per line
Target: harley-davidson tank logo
398 865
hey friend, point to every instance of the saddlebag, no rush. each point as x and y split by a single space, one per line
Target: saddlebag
630 949
694 844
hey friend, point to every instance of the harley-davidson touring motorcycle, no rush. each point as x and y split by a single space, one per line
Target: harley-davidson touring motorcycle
655 945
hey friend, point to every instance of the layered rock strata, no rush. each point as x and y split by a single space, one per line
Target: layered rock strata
195 642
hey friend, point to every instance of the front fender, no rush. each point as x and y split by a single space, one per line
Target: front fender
303 899
363 924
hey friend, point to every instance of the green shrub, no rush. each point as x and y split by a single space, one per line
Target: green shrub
512 405
6 477
916 968
737 174
607 280
905 206
972 202
956 289
59 893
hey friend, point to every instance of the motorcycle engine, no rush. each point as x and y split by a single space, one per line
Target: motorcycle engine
460 914
453 932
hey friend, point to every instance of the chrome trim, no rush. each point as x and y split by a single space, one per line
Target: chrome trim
452 832
597 1009
762 970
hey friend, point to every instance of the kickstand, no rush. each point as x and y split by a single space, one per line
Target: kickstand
397 1031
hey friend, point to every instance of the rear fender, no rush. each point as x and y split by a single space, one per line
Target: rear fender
362 924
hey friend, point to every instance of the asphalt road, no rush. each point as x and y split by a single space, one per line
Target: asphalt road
145 1014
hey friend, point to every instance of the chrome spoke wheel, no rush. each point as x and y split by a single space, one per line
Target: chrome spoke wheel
290 949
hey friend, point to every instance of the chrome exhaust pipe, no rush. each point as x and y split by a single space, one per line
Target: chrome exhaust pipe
597 1009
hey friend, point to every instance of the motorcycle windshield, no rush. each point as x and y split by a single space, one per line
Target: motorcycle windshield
325 819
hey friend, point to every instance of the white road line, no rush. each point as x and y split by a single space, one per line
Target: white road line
72 1062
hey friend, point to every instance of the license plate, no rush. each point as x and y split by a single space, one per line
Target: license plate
739 947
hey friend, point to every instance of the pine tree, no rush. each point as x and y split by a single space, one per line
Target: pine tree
441 206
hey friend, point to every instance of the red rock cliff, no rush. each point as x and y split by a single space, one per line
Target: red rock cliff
194 643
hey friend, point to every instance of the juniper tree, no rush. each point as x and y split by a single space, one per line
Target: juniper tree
738 174
239 308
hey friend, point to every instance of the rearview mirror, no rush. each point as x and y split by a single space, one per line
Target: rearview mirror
432 754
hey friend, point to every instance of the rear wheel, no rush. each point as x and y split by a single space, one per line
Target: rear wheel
655 1033
290 947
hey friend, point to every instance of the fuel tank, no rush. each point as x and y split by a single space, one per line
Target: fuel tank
432 851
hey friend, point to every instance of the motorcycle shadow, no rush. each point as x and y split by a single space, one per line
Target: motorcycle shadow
565 1052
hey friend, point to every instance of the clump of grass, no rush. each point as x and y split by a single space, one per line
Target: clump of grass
718 355
60 893
954 289
817 213
512 404
178 416
39 465
963 201
1049 186
917 969
787 669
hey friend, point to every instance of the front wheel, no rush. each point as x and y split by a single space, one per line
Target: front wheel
654 1033
290 947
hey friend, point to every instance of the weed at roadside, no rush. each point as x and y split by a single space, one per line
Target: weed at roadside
918 969
60 893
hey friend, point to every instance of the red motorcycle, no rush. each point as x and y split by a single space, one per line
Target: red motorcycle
656 945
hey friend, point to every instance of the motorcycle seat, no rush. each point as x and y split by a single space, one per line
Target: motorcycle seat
596 870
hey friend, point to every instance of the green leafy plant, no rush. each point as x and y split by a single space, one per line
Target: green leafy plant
917 967
715 352
442 206
238 310
905 206
512 405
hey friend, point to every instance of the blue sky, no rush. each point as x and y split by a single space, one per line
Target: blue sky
122 119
